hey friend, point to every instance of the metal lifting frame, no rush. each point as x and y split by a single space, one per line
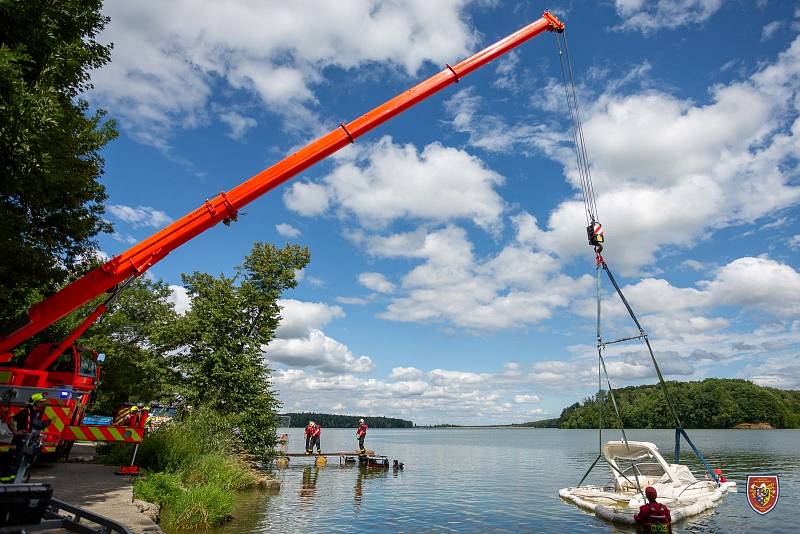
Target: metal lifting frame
679 430
224 207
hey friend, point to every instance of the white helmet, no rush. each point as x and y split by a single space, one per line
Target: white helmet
360 420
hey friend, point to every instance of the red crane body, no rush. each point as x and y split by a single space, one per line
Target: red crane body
224 207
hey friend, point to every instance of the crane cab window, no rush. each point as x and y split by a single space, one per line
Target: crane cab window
63 364
88 366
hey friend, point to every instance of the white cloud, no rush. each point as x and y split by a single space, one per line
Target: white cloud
387 181
759 282
318 351
141 216
306 198
737 161
299 318
406 373
354 301
649 16
239 124
179 298
376 282
169 58
438 395
514 288
287 230
794 242
768 31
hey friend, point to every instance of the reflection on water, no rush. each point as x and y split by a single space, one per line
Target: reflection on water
501 480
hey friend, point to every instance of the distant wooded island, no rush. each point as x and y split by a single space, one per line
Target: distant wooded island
326 420
710 403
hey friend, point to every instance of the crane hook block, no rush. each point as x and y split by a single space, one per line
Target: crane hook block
595 234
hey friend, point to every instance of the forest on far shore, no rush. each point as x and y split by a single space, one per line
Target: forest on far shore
326 420
710 403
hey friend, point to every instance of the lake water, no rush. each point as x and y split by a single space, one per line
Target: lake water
501 480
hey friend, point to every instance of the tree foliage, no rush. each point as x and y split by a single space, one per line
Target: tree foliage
219 342
51 201
711 403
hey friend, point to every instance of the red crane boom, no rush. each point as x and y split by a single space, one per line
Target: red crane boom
224 207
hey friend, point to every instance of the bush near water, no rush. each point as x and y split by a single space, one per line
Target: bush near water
710 403
193 469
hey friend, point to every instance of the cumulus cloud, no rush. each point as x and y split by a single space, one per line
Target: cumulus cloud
179 298
318 351
140 216
649 16
387 181
287 230
376 282
299 318
435 396
737 159
238 124
169 58
452 287
406 373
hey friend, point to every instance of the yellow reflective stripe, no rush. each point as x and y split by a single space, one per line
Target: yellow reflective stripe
56 421
5 448
5 377
136 435
116 433
78 431
96 433
48 449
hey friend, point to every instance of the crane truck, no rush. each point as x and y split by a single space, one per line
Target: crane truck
68 373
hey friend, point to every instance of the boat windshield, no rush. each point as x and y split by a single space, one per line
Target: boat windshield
654 470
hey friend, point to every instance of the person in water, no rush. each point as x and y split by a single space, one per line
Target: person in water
653 516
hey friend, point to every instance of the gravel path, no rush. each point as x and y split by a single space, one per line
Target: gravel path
96 488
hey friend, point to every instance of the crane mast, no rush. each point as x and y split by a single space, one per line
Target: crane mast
225 206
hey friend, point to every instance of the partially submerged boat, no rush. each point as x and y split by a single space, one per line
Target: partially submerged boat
635 465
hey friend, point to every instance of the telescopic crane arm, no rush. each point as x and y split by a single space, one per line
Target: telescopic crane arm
224 207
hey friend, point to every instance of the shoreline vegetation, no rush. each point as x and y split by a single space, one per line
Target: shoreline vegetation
713 403
326 420
192 469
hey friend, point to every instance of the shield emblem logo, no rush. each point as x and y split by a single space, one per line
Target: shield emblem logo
762 492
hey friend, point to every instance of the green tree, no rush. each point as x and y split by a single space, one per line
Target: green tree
132 335
51 201
220 340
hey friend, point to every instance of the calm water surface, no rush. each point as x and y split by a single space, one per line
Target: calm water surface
500 480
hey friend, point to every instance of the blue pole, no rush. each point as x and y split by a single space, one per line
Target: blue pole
678 445
700 455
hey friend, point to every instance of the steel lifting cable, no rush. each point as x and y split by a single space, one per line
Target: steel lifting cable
579 142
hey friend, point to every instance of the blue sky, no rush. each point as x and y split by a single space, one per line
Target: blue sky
450 278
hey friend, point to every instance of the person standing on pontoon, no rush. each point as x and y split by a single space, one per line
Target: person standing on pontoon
315 437
309 431
653 516
362 434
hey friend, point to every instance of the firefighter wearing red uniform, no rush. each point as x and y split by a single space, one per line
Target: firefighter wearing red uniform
361 433
308 432
653 516
315 435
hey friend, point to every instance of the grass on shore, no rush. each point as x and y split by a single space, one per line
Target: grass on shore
192 470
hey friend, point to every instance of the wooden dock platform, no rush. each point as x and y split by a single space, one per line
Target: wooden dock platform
369 458
335 453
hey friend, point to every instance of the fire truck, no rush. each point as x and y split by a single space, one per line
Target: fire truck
68 373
